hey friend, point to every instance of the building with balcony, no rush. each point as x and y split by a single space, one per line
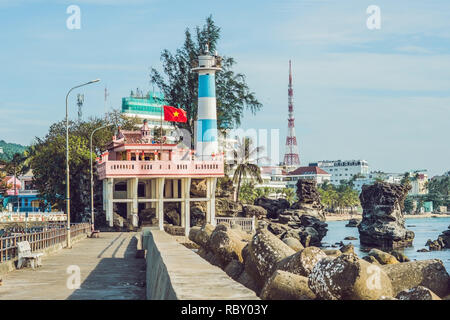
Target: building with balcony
143 174
342 170
21 195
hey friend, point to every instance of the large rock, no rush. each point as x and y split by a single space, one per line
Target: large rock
383 223
400 256
309 199
198 215
279 229
302 262
202 235
417 293
353 223
442 242
227 244
198 188
147 216
173 217
234 269
293 243
254 211
262 256
427 273
383 257
308 230
284 285
272 206
228 208
349 278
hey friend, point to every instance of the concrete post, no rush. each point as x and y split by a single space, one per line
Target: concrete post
160 207
134 205
208 202
183 207
186 182
212 200
109 202
175 188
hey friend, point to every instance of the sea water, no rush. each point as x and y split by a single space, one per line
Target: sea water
424 229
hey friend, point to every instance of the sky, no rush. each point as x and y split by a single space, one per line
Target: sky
382 95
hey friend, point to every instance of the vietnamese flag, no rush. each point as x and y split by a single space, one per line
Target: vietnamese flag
174 114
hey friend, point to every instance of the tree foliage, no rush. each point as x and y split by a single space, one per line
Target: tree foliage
180 85
48 160
338 198
245 163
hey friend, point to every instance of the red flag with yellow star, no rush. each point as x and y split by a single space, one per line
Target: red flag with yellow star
174 114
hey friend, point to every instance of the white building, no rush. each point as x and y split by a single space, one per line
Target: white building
342 170
311 173
371 177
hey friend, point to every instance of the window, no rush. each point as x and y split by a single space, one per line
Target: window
120 186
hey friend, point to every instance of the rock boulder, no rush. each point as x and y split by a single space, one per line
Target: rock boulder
383 223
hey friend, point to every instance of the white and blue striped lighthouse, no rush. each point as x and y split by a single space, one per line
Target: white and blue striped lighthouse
206 137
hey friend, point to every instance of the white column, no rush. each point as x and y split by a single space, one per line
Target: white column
109 203
212 200
186 187
160 207
208 202
134 205
154 186
175 188
183 211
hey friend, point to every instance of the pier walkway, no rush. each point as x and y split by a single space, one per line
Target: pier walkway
107 266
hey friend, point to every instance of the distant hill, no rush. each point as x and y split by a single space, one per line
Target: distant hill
9 149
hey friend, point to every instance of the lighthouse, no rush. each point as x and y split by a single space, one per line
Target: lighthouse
206 144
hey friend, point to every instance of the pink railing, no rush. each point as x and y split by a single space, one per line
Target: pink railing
157 168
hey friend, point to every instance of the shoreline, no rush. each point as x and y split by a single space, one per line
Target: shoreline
346 217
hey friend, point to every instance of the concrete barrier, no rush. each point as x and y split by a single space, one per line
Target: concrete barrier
175 272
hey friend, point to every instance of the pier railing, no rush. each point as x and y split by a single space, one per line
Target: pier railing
40 240
8 216
246 224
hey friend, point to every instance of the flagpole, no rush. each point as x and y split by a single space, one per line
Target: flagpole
160 132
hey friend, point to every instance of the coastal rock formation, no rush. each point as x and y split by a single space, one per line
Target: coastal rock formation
228 208
427 273
442 242
353 223
272 206
309 199
254 211
417 293
284 285
349 278
383 223
304 220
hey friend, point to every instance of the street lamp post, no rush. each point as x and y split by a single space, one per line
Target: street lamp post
67 161
92 177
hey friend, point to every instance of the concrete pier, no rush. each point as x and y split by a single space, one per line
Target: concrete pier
108 270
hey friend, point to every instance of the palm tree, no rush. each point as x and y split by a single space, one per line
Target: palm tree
289 194
246 159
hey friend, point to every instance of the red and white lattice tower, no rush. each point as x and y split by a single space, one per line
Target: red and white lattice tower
291 158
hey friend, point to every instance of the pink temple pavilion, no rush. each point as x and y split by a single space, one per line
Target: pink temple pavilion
140 173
